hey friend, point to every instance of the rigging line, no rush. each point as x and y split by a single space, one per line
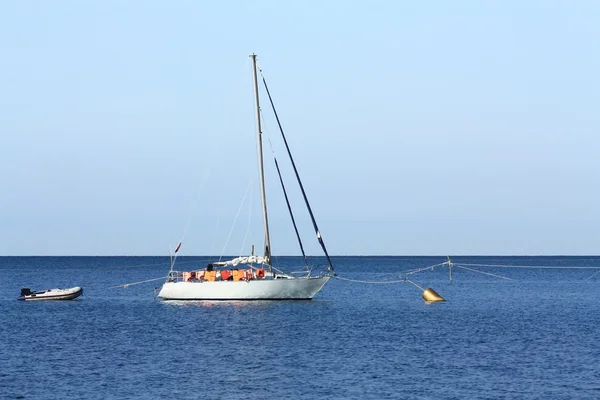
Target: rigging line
485 273
249 218
234 222
202 260
312 217
287 201
200 189
289 206
297 272
214 239
137 283
278 270
527 266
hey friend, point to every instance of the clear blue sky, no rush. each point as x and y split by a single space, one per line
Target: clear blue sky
419 128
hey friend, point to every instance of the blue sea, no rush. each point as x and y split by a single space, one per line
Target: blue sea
532 336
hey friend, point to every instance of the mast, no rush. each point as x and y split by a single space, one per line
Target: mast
260 165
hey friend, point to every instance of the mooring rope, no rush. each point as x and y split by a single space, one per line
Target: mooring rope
410 272
594 274
484 273
406 280
414 271
409 281
526 266
137 283
368 282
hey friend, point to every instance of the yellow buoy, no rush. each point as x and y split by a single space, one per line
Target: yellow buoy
431 296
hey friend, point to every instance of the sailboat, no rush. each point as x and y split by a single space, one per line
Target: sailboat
251 277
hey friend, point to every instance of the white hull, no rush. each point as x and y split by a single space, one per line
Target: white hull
259 289
54 294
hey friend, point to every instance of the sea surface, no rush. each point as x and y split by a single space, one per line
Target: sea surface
533 336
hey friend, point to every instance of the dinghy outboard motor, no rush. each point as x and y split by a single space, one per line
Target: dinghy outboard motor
25 292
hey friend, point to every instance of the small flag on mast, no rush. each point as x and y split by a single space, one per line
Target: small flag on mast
177 248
